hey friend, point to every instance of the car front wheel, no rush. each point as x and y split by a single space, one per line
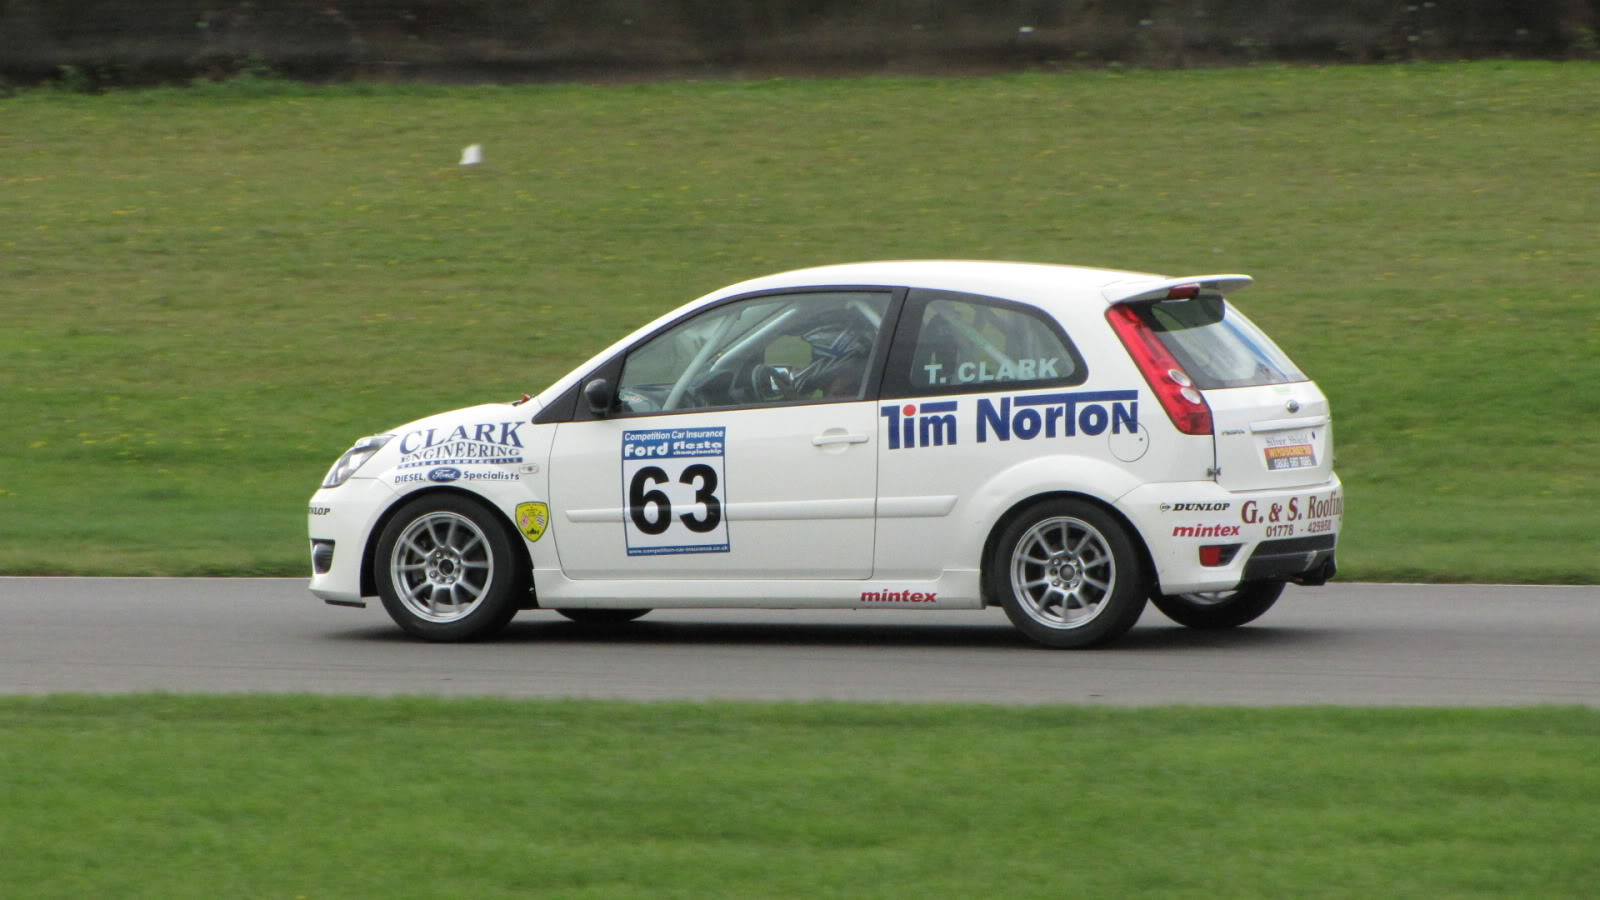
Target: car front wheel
1220 609
447 571
1067 574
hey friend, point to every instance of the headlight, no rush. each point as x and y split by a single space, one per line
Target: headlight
353 459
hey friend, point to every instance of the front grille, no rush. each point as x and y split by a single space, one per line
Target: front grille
321 557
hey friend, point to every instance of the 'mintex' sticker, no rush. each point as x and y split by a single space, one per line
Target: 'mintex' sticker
673 491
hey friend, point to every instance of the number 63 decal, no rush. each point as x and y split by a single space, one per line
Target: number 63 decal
651 509
674 491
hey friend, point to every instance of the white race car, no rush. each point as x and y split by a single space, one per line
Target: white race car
1061 442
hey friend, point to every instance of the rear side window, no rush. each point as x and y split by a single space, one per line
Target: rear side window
1216 344
960 343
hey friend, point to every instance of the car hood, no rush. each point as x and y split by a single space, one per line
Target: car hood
486 434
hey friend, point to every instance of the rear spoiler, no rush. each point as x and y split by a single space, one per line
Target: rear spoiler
1130 291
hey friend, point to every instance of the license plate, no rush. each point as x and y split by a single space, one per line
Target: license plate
1290 451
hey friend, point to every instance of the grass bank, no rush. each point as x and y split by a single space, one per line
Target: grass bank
172 797
209 293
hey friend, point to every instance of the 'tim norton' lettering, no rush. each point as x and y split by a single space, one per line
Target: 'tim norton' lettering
1023 418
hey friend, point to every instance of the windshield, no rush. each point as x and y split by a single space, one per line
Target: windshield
1216 345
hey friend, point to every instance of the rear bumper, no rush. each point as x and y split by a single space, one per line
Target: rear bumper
1278 535
1304 560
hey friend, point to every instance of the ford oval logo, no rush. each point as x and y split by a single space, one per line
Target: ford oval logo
445 474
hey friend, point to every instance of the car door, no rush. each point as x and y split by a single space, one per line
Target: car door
962 369
738 443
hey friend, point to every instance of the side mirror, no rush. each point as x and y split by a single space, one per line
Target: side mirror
597 394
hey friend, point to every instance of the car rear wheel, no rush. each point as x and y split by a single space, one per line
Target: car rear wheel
447 571
1220 609
602 616
1067 574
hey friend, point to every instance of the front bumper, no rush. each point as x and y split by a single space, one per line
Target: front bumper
1278 535
340 522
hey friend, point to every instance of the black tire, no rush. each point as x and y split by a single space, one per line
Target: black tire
601 617
1067 574
1220 609
447 569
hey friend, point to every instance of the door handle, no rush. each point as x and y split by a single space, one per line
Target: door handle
823 440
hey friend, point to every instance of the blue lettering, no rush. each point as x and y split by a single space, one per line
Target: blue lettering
892 413
1092 419
1063 414
938 430
1125 416
1027 424
481 435
407 447
1025 417
1069 417
988 418
935 427
1051 416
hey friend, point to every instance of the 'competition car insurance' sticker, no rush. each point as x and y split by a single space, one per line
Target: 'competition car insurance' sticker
673 491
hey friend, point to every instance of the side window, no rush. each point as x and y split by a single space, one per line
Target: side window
962 343
813 347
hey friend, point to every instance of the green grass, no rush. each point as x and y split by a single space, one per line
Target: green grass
171 797
209 293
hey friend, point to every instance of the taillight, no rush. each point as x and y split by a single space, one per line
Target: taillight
1172 386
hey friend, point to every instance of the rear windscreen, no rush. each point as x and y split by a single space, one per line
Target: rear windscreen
1216 344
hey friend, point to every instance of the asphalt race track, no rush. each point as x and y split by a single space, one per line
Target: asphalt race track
1353 644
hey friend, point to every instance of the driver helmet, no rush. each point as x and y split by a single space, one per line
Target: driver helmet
837 351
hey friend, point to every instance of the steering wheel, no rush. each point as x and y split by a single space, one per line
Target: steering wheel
768 383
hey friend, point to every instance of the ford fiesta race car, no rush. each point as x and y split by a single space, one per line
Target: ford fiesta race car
1062 442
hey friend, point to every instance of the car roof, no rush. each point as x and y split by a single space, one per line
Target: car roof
948 274
1017 280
